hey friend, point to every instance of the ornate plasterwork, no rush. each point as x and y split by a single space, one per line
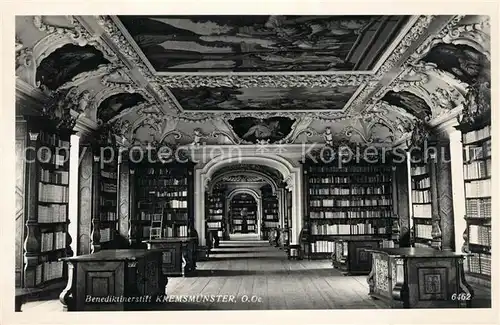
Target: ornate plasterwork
260 80
66 106
242 179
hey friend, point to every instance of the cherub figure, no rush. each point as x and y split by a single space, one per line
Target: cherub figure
328 136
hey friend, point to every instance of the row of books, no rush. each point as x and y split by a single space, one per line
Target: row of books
422 210
331 203
176 231
274 210
477 169
423 231
57 177
216 205
178 204
216 217
109 187
271 224
240 221
53 139
53 193
107 234
477 135
478 208
380 190
46 156
160 171
380 178
162 181
421 196
212 224
243 202
215 211
419 170
166 193
322 246
48 271
108 216
106 202
240 228
480 188
477 151
480 235
350 169
51 241
108 174
52 213
270 216
421 183
356 229
479 263
350 214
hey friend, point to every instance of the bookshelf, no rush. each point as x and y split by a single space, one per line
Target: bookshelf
46 238
165 190
353 201
216 212
477 167
270 212
107 199
421 203
243 214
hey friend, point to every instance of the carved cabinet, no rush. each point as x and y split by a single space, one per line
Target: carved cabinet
114 279
419 278
178 254
351 256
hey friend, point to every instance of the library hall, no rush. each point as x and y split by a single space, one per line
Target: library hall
252 162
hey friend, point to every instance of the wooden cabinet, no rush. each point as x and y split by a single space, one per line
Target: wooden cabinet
350 256
178 254
114 279
419 278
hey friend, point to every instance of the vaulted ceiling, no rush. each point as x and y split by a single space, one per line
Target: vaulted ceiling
252 79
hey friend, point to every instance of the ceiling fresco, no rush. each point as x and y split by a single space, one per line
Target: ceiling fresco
256 130
115 104
285 99
251 43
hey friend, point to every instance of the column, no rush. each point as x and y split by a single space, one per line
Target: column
32 244
445 195
458 189
132 234
436 222
74 175
95 237
123 197
403 203
85 186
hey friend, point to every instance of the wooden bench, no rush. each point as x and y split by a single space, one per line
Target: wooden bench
24 295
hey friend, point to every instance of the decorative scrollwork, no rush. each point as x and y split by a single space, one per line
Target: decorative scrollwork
65 106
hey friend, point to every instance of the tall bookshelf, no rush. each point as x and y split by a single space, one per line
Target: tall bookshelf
477 176
166 190
107 200
421 204
216 212
46 238
353 201
240 203
270 212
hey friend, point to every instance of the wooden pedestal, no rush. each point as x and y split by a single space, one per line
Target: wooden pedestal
419 278
122 279
179 254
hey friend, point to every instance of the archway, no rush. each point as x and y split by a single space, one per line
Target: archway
258 200
291 174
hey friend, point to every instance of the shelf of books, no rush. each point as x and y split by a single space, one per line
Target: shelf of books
243 214
477 177
346 202
47 216
421 204
164 191
270 214
215 212
108 200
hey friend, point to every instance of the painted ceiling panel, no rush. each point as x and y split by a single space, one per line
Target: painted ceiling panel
286 99
251 43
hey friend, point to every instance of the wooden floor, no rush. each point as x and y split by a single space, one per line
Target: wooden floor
243 269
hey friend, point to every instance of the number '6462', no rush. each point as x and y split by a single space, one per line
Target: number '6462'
461 296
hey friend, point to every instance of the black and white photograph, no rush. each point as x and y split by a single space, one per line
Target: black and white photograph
251 162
